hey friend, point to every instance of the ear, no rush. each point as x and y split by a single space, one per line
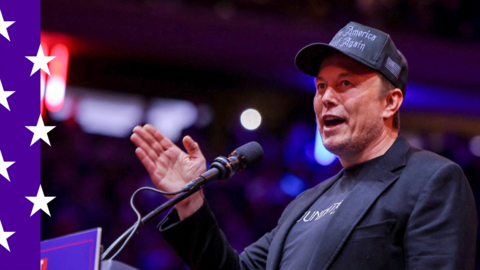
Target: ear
392 100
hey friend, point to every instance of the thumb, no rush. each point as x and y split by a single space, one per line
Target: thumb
192 147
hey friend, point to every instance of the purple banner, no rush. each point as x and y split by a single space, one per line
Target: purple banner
19 158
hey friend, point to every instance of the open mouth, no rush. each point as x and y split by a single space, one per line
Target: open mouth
331 121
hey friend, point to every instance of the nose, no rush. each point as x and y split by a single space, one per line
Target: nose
329 97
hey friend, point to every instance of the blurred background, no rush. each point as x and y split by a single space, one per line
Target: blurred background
195 67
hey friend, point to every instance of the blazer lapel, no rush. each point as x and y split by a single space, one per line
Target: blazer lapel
302 205
346 218
357 203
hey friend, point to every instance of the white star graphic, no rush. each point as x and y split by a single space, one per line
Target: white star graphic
40 61
4 236
4 166
4 95
40 202
40 131
3 27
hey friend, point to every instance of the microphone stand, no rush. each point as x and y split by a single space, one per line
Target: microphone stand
118 243
221 168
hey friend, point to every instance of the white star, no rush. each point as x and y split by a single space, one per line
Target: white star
40 131
40 61
4 166
40 202
3 27
4 236
4 95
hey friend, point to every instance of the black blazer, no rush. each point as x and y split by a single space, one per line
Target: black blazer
415 210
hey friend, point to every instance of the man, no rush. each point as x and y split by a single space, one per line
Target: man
392 207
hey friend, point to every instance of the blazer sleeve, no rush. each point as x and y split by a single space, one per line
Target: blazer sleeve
441 231
200 243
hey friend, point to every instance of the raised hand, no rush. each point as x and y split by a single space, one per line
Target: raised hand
169 167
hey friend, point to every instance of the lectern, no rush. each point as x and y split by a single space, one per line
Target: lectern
78 251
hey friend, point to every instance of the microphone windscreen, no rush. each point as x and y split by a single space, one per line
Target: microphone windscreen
248 154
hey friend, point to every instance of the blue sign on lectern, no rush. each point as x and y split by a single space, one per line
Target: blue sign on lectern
79 251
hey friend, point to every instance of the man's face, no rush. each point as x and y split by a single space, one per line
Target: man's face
348 106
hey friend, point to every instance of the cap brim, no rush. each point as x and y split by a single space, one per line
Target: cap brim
309 59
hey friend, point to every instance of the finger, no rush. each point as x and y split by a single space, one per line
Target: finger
165 142
145 159
146 148
192 147
137 140
144 135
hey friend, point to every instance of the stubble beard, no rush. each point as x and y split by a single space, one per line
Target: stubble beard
352 146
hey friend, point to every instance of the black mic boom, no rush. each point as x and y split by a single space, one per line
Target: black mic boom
223 168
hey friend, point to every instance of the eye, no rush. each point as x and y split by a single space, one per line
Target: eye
346 83
321 86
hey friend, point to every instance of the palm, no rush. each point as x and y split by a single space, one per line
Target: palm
169 167
175 168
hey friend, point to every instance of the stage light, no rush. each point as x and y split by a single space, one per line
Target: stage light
43 75
56 84
109 114
55 93
251 119
475 146
322 155
292 185
172 116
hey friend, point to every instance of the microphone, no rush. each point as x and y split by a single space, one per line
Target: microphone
223 168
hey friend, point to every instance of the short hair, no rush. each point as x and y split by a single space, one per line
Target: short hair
386 86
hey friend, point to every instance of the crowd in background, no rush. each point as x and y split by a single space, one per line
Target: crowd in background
94 176
447 18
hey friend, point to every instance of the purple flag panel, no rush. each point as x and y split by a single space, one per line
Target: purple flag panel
19 162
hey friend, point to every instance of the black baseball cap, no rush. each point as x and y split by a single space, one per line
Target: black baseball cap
367 45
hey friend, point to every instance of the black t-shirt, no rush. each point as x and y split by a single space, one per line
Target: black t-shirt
310 228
